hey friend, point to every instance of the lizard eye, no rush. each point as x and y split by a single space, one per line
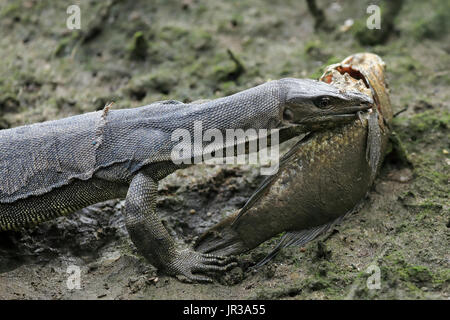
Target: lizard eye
322 103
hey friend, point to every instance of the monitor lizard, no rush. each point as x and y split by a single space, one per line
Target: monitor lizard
56 167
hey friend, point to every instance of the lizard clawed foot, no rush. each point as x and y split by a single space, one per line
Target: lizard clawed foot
194 265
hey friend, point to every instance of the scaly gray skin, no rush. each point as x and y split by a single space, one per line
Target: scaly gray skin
57 167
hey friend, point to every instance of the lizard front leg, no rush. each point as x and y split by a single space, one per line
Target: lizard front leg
154 242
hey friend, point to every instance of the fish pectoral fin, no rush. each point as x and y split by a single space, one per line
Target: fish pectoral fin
254 197
271 179
298 238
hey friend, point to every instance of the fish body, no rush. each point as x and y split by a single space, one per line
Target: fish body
321 179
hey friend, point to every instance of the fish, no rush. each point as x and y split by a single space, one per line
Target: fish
324 177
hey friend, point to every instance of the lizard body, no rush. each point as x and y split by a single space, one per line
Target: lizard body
53 168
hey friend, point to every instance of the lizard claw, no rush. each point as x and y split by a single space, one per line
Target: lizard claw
194 265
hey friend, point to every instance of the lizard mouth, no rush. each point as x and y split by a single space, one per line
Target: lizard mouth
356 109
323 122
343 115
332 119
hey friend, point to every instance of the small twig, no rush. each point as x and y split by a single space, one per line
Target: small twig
401 111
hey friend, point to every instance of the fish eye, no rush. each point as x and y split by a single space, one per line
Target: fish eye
323 102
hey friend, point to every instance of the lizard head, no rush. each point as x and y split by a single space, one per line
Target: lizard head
315 103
